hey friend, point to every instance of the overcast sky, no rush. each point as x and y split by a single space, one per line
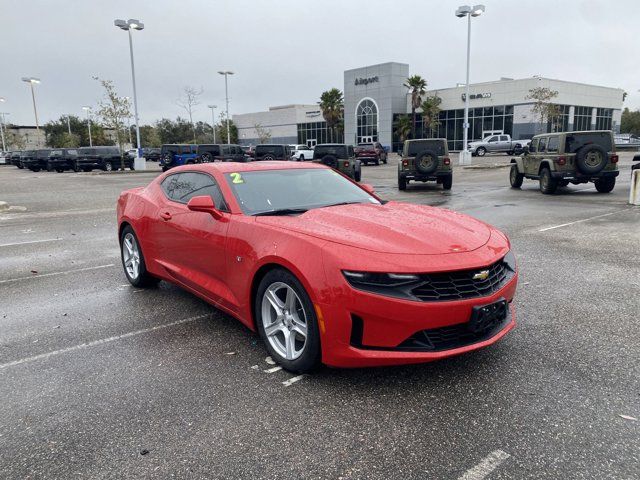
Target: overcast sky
289 51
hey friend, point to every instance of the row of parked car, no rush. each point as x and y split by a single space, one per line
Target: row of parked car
85 159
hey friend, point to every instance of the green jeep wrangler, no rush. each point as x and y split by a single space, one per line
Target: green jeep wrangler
340 157
424 160
557 159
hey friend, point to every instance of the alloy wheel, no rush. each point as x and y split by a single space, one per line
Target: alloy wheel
131 256
284 320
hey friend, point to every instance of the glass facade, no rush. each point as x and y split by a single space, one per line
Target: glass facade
318 132
366 121
560 122
604 118
582 118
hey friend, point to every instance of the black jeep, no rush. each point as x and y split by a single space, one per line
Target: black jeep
61 159
340 157
104 158
272 152
221 153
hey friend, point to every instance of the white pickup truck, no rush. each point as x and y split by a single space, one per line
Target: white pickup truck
497 144
301 152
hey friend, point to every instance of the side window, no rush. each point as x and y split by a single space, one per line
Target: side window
183 186
73 153
493 139
238 150
504 138
543 144
533 146
552 147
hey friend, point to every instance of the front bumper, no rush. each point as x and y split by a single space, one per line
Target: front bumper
360 329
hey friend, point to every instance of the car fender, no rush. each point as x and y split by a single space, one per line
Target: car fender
546 163
519 163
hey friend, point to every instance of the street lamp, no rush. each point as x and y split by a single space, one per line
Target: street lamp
213 120
226 74
69 123
129 25
4 146
461 12
88 109
31 81
129 124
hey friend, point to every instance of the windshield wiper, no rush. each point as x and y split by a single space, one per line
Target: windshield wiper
280 211
340 203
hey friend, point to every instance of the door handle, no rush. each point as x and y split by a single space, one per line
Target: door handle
165 216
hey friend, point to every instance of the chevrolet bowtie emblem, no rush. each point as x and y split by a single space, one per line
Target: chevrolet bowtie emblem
483 275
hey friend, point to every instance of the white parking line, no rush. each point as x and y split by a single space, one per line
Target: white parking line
53 274
99 342
486 466
293 380
29 242
274 369
583 220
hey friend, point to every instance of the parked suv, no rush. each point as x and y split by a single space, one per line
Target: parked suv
425 160
151 154
221 153
557 159
61 159
37 160
338 156
104 158
272 152
174 155
25 157
371 152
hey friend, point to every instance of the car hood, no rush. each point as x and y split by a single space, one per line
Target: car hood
394 228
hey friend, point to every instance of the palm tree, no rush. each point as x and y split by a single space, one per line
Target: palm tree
417 88
332 106
402 127
431 112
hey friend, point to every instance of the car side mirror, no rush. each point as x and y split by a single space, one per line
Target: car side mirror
369 188
525 150
204 203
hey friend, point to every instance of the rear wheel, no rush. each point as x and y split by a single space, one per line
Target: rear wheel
402 182
133 260
268 157
447 182
108 167
377 161
515 177
75 167
548 184
605 185
287 322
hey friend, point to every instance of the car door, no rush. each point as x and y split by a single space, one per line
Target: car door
505 144
493 144
192 244
530 158
541 153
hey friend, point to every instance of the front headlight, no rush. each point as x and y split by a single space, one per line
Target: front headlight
397 285
510 261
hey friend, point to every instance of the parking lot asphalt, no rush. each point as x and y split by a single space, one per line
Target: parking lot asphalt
102 380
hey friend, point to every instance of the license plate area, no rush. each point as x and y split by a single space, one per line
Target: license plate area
487 317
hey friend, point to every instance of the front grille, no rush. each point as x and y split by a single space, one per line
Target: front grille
461 285
454 336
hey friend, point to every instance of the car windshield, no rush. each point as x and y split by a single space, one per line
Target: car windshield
437 146
298 189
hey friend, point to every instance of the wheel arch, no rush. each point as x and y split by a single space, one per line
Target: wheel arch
519 164
545 164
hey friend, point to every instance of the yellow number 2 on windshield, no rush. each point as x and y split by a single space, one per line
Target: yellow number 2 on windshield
236 178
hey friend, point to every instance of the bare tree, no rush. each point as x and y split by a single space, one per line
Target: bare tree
264 135
113 111
542 107
190 100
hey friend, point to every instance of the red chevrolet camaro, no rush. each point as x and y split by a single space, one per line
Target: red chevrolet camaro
321 267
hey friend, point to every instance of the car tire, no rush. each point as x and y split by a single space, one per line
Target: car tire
377 162
515 177
447 182
75 167
282 306
60 170
35 169
301 158
548 184
481 151
107 167
49 167
605 185
510 152
135 268
164 169
402 182
268 158
206 158
585 157
426 162
385 160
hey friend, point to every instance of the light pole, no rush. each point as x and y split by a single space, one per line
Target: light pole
129 25
4 146
31 81
88 109
226 74
213 120
461 12
129 124
69 124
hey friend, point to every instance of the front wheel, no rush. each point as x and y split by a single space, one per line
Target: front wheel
133 260
108 167
481 151
605 185
287 321
515 177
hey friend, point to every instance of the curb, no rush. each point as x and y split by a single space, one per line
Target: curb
4 206
487 167
119 172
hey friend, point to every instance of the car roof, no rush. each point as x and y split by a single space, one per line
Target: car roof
427 140
229 167
572 132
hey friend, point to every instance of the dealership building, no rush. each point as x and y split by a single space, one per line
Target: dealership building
375 96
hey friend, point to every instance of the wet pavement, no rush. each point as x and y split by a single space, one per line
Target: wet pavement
102 380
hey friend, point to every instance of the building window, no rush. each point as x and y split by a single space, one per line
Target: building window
366 121
313 133
560 122
582 118
604 118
